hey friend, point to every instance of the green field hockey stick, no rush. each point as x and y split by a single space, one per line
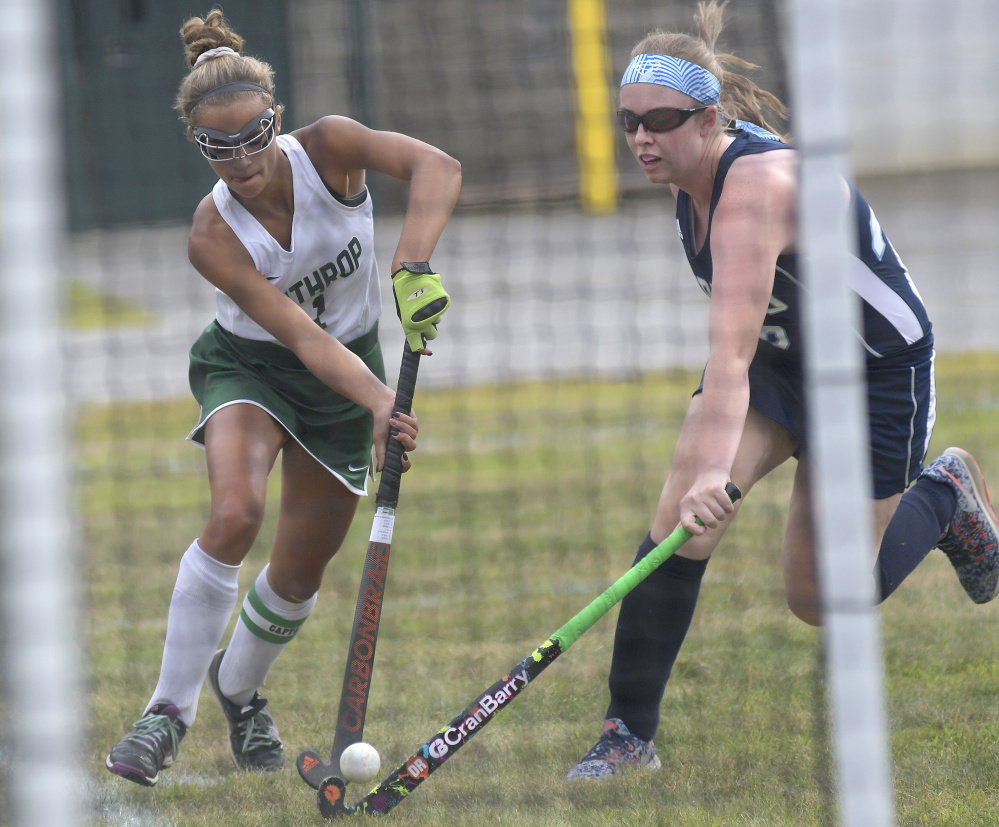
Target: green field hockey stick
417 768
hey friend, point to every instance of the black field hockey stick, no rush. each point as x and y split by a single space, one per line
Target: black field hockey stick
364 635
447 741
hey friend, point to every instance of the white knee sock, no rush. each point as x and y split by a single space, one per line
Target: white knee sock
266 624
203 599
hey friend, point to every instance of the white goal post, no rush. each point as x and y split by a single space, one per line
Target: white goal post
841 484
41 649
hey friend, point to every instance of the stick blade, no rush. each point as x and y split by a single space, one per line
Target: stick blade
313 769
331 796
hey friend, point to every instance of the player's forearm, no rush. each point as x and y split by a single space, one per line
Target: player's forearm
345 372
723 417
433 193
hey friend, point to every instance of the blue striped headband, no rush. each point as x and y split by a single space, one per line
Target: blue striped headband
675 73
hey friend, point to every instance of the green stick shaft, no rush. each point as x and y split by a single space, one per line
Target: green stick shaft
571 631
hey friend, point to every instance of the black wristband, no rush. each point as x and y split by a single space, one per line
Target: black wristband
418 267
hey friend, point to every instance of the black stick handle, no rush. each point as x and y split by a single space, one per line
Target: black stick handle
388 487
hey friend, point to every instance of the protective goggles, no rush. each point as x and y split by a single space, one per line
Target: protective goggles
656 120
255 137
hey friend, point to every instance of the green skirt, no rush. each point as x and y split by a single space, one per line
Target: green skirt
227 370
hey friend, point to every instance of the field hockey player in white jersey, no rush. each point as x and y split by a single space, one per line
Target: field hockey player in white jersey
291 366
701 131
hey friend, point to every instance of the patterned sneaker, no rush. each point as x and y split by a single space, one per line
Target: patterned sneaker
149 747
972 538
613 752
254 741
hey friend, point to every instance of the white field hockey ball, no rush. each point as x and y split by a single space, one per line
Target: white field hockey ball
360 763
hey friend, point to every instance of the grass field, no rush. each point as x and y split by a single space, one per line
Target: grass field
525 502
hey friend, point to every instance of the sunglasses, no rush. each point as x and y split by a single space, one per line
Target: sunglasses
656 120
255 137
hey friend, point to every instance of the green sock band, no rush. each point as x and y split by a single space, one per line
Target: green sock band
264 622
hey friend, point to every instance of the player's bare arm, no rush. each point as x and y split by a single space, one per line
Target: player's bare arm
753 224
342 149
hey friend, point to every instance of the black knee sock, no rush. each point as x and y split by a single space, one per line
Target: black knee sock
651 626
922 517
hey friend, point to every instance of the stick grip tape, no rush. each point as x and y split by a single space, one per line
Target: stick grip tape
388 487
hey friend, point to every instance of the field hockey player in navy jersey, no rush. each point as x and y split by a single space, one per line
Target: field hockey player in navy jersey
700 130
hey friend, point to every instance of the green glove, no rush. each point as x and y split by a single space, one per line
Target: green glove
420 301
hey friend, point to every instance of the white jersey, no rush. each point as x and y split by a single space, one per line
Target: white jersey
330 269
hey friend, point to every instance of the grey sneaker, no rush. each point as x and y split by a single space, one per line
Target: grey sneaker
149 747
614 751
971 541
254 741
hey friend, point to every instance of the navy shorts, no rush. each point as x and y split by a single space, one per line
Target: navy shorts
901 402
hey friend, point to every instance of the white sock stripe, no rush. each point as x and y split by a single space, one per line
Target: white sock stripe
270 617
269 628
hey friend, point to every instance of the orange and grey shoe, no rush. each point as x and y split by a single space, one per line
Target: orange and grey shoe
149 747
615 750
971 541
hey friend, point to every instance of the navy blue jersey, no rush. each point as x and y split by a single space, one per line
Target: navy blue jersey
894 317
896 335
